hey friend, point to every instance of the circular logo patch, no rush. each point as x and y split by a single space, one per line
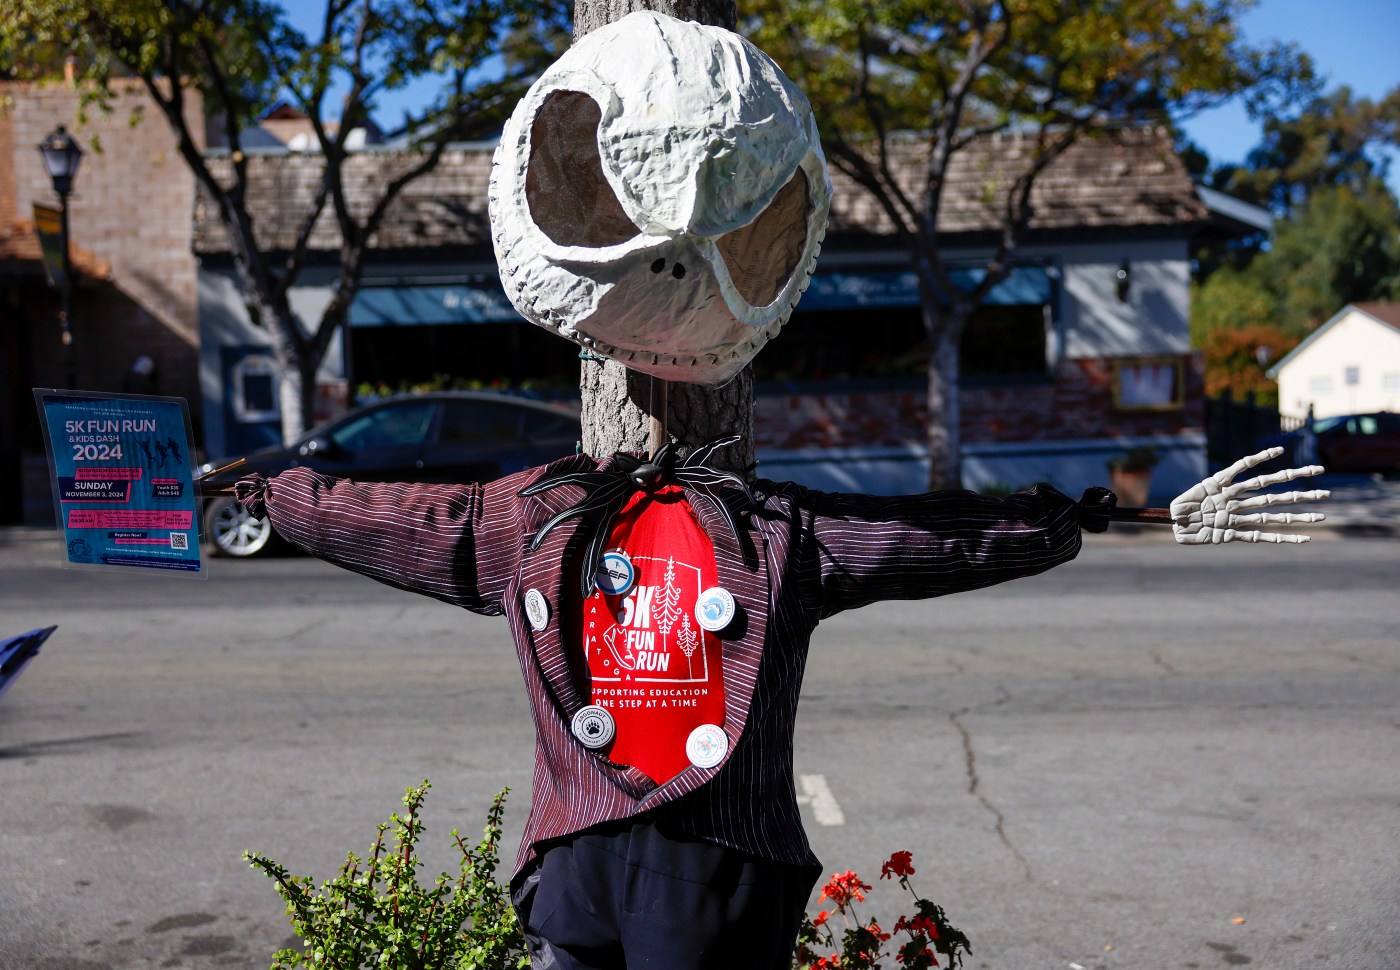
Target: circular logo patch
616 574
707 746
714 609
537 609
594 727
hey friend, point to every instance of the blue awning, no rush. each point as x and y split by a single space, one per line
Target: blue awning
432 305
900 288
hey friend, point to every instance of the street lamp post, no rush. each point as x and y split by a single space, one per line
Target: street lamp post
62 156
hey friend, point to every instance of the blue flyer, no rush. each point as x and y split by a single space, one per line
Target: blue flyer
124 492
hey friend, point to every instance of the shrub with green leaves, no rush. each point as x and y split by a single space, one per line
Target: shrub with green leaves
376 914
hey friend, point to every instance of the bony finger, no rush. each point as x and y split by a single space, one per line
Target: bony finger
1274 537
1277 498
1276 518
1244 464
1312 495
1275 478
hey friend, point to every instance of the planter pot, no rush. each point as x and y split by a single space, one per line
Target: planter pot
1131 487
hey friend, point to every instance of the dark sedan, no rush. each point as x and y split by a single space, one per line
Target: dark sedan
1345 443
451 436
1359 442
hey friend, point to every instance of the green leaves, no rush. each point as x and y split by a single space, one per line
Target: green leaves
912 66
376 913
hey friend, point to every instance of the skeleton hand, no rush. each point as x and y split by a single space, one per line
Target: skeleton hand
1210 511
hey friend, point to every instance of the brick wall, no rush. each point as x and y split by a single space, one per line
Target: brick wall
8 211
1077 404
131 207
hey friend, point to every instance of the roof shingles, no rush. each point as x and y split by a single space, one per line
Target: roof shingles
1130 180
1387 313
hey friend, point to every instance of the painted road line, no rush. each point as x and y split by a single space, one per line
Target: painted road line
817 793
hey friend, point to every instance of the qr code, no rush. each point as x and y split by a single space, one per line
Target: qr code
179 540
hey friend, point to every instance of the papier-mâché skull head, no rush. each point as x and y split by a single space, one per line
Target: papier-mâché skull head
659 196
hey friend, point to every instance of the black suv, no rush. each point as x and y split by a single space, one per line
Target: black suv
450 436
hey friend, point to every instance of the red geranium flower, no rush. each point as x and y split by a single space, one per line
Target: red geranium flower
900 865
821 918
843 887
924 925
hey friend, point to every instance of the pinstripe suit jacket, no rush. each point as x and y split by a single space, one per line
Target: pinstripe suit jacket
800 556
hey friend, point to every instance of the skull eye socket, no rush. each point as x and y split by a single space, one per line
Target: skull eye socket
763 255
569 198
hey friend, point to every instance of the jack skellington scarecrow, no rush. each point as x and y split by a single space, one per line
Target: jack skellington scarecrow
659 197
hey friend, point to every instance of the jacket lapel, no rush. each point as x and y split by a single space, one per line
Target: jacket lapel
546 570
742 569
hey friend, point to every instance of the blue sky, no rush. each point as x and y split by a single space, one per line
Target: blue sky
1352 42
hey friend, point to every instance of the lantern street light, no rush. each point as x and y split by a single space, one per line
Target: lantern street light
62 156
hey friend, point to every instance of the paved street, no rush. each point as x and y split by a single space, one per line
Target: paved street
1104 767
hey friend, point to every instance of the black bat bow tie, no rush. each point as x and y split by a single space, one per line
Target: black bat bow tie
608 491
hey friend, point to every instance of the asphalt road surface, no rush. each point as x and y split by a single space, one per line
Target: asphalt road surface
1152 757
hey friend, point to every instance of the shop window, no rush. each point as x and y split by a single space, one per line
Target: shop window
461 357
834 345
1005 345
255 388
1149 384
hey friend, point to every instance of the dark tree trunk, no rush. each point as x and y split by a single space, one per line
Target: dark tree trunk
591 14
617 403
945 329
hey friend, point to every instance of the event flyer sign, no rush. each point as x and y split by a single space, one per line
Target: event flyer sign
124 493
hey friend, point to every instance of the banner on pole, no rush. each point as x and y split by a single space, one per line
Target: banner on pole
48 226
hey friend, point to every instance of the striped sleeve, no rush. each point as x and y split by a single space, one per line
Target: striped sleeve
859 549
457 543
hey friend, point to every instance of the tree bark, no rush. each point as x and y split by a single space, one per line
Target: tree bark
617 403
945 330
592 14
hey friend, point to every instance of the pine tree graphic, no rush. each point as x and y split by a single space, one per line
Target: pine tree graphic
688 640
667 607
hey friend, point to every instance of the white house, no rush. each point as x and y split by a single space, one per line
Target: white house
1349 365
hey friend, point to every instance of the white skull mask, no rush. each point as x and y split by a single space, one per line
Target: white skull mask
659 196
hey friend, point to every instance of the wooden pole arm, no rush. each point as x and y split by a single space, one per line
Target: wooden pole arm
225 490
1152 516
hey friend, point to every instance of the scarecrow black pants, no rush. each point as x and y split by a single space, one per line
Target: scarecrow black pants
629 896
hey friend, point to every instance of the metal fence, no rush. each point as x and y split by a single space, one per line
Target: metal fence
1237 428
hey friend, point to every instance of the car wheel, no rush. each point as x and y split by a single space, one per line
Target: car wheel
234 532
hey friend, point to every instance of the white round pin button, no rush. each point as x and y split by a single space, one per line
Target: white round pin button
537 609
714 609
706 746
594 727
616 574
